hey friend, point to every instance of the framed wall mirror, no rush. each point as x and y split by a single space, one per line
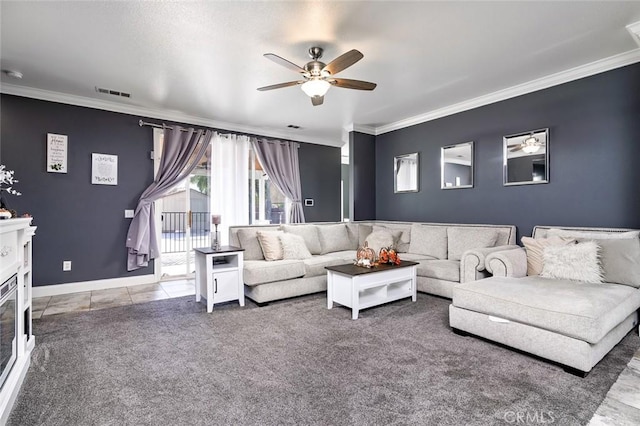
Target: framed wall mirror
406 170
456 166
526 158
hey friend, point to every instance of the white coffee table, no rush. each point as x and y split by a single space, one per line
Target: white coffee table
359 288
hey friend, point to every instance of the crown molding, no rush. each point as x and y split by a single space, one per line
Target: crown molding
369 130
47 95
634 30
562 77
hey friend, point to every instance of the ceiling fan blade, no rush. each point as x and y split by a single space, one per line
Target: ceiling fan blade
343 61
317 100
281 61
352 84
517 148
280 86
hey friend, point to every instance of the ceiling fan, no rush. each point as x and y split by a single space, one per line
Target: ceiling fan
318 77
530 145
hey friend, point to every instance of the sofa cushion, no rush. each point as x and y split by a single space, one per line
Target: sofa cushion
260 271
461 239
293 247
448 270
334 238
620 260
580 310
315 266
535 248
309 233
415 257
248 238
270 244
577 262
429 240
346 256
574 233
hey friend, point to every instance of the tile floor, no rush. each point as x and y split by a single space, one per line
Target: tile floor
620 407
100 299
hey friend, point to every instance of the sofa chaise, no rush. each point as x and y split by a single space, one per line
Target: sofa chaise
447 254
573 311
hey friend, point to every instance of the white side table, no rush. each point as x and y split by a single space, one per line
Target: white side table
219 275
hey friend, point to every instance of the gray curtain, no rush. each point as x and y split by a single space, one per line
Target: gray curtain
280 161
181 152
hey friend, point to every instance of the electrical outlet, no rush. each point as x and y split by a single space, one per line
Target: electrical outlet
128 214
66 265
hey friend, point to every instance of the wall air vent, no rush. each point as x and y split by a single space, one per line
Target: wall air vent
113 92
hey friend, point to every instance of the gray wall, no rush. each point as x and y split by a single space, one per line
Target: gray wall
320 175
85 223
594 159
362 158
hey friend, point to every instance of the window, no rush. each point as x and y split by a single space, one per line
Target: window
267 204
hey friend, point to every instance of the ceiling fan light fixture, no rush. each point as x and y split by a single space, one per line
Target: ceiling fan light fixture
530 145
315 87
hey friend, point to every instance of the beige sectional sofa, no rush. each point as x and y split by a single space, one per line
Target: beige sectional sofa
554 314
447 254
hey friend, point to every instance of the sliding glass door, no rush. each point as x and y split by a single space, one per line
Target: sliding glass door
184 218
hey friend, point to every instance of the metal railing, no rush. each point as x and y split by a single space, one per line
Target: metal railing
174 227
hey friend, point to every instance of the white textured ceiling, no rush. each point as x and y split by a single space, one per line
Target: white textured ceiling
202 61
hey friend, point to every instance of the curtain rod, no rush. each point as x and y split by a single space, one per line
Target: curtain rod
161 126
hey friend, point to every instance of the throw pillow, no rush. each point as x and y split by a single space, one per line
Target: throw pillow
576 262
334 238
535 248
395 233
309 233
379 239
248 239
620 260
558 232
461 239
429 240
270 244
363 233
293 247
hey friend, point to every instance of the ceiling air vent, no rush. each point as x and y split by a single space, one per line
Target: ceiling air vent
112 92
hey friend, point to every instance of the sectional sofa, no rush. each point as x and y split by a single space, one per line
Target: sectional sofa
564 312
448 254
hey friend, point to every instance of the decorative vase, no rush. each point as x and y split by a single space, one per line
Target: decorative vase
365 256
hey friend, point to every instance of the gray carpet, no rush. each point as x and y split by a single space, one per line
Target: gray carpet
292 362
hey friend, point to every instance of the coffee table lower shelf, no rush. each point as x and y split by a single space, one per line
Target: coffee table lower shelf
358 289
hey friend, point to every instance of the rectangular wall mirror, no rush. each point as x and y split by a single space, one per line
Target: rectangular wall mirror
406 172
526 158
456 166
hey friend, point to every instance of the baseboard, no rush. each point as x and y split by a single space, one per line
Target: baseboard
57 289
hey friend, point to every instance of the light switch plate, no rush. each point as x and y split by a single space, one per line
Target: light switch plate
128 214
66 265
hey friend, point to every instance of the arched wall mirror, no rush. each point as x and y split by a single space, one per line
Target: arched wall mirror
406 173
526 158
456 166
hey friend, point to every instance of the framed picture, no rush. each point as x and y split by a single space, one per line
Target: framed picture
104 169
57 153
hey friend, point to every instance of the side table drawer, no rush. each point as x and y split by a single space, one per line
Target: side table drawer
225 286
